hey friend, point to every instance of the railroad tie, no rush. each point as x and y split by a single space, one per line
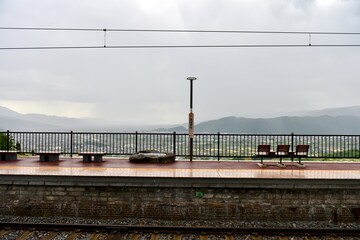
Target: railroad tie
3 232
25 235
177 237
256 237
229 237
73 236
334 237
50 236
154 236
283 238
203 237
116 236
309 238
134 236
94 236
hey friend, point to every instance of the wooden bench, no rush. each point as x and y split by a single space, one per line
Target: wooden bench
87 156
301 151
49 156
8 155
264 151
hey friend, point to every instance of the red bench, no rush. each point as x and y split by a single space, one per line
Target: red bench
301 151
282 151
264 151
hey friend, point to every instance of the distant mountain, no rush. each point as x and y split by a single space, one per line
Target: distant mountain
300 125
11 120
335 112
327 121
345 120
8 112
18 124
178 129
280 125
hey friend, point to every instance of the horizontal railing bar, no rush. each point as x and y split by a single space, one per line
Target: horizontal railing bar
206 145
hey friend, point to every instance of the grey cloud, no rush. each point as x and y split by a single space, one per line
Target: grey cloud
149 85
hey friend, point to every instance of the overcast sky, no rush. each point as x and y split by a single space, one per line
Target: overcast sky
149 86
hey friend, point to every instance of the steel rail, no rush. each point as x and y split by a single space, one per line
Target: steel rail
204 230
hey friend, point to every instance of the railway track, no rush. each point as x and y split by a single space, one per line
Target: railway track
29 231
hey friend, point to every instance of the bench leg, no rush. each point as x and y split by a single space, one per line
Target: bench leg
49 158
8 157
261 164
87 158
98 158
12 157
300 164
43 158
280 164
52 158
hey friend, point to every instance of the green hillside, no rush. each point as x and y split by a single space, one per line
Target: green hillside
300 125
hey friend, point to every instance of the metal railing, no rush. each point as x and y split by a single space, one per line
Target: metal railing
206 145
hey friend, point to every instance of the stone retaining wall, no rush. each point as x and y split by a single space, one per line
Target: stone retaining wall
196 201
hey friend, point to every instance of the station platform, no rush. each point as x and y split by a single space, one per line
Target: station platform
209 169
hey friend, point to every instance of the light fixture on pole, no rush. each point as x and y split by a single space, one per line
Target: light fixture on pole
191 117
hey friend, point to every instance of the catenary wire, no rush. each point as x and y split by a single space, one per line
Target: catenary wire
180 46
178 30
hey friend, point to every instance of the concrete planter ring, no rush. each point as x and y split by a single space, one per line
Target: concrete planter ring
152 156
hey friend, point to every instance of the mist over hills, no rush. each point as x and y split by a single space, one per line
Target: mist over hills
13 121
333 112
326 121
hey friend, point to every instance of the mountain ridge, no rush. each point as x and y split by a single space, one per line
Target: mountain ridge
326 121
283 125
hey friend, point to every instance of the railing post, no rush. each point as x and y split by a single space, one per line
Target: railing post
71 143
292 145
136 142
8 140
218 141
174 143
358 155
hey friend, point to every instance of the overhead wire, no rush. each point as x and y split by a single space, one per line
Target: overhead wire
178 30
105 30
181 46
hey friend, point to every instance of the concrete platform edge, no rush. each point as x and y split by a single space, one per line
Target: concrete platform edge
165 182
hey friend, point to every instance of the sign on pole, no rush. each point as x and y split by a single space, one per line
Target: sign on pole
191 125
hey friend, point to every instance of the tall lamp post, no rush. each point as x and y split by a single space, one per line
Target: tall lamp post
191 117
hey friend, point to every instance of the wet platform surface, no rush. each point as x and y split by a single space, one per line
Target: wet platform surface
115 167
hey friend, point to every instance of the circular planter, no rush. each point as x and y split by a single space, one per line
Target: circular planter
152 156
